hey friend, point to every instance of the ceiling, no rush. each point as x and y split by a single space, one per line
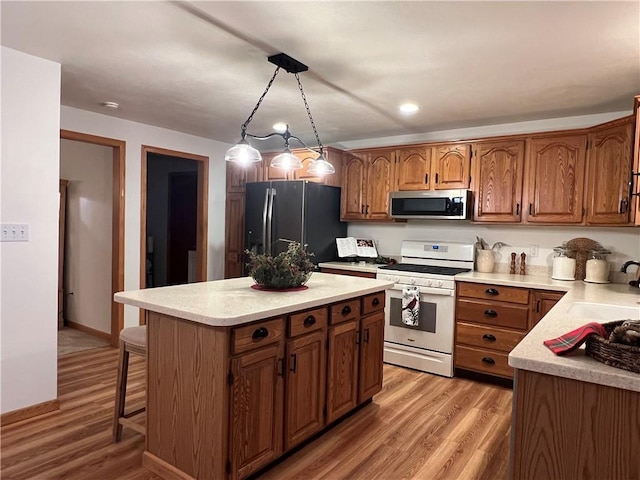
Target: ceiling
200 67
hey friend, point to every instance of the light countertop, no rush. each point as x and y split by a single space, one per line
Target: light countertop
531 354
365 267
233 301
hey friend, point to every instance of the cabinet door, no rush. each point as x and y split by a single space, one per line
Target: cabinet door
238 176
234 235
352 200
342 381
635 203
610 156
498 170
414 169
556 179
271 173
256 410
371 351
306 379
451 166
543 301
306 157
379 178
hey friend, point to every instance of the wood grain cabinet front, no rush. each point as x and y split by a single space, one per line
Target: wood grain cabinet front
491 320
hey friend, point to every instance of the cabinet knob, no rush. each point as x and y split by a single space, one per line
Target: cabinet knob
491 291
375 302
488 360
310 320
260 333
487 337
490 313
346 310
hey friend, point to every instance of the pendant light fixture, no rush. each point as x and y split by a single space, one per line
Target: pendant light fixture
244 154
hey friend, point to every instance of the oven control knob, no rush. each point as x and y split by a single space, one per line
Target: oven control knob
413 281
429 283
439 283
396 279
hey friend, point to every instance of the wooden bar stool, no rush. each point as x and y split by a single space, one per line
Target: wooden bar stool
132 340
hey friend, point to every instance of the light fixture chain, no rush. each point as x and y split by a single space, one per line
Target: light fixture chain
255 109
313 125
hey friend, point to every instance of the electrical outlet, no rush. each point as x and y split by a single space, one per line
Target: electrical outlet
15 232
533 251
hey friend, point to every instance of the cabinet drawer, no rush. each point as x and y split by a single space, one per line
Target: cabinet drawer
493 292
372 303
343 311
487 337
256 335
490 313
484 361
309 321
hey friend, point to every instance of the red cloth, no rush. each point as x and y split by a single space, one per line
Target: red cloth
572 340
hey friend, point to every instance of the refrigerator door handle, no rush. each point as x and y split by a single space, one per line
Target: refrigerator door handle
265 211
270 221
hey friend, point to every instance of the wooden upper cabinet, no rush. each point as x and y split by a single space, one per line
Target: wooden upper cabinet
414 169
379 179
234 235
352 200
307 157
271 173
556 166
451 166
610 157
497 172
238 176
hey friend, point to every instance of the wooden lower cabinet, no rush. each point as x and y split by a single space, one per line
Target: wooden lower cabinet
225 402
256 410
565 428
491 320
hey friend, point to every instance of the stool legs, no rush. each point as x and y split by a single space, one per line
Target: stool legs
121 391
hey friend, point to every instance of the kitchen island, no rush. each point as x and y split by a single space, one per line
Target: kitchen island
236 377
573 417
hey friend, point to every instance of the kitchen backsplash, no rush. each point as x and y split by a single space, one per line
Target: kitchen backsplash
624 242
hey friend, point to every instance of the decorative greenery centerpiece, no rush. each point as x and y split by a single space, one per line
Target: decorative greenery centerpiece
289 269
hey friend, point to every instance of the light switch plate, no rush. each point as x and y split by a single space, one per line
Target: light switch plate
15 232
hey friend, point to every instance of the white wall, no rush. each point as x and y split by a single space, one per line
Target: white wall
136 135
89 169
30 178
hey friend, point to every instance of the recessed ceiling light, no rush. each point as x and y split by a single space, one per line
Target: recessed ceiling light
409 108
280 127
111 105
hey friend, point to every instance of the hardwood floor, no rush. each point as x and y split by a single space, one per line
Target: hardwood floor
420 426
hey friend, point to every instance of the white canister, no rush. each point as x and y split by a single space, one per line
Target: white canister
485 261
564 267
597 267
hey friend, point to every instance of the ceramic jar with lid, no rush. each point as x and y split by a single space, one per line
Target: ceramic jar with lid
597 267
564 264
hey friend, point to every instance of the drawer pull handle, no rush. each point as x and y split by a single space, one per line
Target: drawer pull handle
375 302
491 291
491 313
310 320
346 310
487 337
260 333
488 360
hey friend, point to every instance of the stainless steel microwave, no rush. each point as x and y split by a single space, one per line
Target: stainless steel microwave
440 204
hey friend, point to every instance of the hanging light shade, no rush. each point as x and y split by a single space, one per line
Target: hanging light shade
286 161
243 154
321 167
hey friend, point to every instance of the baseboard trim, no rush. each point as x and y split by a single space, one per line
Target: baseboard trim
89 330
29 412
162 468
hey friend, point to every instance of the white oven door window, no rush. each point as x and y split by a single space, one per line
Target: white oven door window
435 326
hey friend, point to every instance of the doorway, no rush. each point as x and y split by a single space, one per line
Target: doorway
174 212
116 232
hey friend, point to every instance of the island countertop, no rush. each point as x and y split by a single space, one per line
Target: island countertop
232 302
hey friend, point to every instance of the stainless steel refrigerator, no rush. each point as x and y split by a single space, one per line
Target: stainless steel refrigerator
301 211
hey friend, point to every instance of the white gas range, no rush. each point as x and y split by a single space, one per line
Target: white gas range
430 265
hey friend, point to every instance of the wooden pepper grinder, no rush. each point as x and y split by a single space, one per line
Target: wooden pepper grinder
512 267
523 259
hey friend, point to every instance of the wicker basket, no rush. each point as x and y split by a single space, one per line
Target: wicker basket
617 355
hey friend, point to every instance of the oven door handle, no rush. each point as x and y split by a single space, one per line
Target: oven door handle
444 292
